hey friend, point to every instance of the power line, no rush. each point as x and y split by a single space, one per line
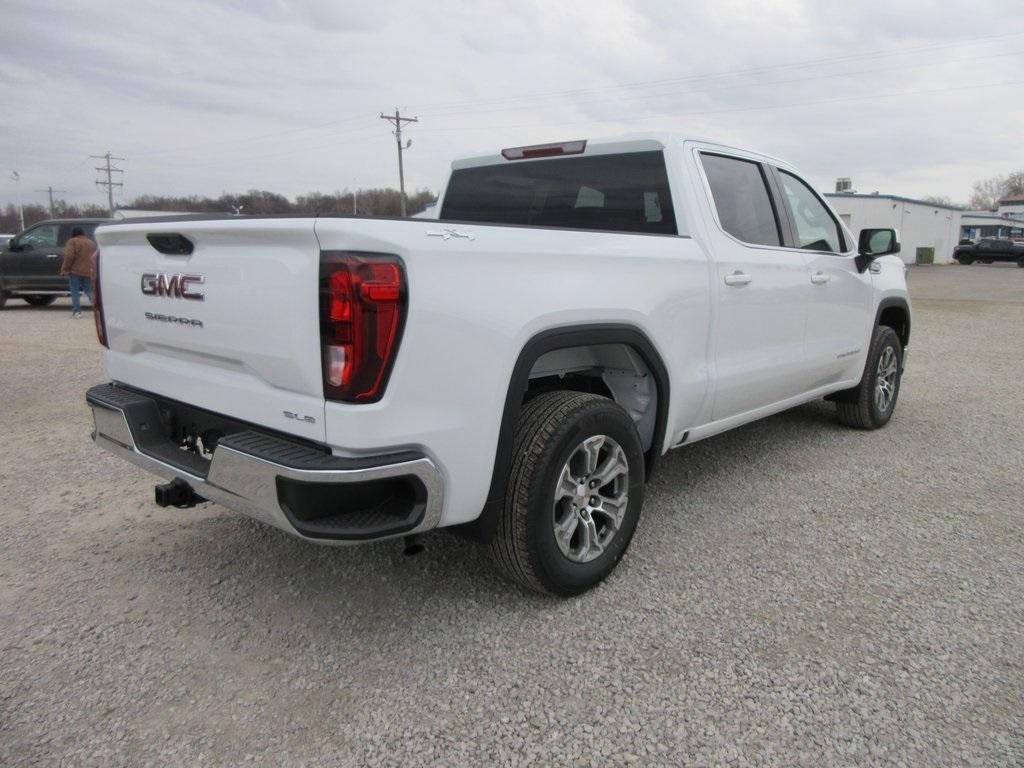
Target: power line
757 108
718 88
50 191
884 53
109 170
397 120
261 137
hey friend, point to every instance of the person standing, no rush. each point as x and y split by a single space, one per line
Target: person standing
78 267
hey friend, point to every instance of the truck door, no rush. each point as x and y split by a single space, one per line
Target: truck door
39 254
839 309
762 290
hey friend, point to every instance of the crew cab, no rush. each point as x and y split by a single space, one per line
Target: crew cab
512 370
988 250
30 261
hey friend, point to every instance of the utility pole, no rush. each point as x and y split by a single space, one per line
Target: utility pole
50 191
109 183
397 120
16 177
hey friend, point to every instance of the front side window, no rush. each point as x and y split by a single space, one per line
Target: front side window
618 193
43 236
816 230
744 206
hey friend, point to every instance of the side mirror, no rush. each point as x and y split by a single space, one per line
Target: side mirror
874 243
12 245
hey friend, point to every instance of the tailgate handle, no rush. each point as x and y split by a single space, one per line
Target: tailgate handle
170 243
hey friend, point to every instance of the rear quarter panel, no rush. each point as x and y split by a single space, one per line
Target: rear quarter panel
477 299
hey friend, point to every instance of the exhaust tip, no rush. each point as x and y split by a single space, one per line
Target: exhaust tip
413 545
176 493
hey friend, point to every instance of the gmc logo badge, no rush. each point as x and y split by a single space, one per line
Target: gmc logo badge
172 286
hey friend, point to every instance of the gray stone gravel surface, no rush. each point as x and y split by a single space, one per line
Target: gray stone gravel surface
797 594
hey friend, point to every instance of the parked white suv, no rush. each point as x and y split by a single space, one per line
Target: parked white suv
514 368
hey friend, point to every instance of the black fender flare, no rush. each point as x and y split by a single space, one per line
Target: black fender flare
563 338
899 303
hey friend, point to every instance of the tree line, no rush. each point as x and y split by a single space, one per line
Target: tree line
988 192
365 202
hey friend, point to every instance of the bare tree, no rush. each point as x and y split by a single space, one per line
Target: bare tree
1014 184
988 192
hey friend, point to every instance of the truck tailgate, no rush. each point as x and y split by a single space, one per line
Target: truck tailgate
232 327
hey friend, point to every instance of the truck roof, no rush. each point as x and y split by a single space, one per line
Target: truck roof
605 145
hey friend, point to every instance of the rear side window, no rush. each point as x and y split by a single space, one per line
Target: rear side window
816 230
616 193
741 196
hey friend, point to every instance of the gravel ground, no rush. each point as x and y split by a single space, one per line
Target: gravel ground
797 594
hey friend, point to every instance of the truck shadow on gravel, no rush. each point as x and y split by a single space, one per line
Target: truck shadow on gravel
250 570
15 305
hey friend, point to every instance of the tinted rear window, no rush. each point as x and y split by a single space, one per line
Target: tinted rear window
742 200
618 193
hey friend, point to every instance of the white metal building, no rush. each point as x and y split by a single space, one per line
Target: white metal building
921 224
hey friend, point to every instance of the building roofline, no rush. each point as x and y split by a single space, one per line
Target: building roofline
899 198
994 217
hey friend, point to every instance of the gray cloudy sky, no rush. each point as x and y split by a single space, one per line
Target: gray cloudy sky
916 98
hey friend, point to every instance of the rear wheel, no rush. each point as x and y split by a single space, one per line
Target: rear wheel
870 404
574 493
39 301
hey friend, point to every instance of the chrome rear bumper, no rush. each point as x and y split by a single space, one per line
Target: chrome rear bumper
249 472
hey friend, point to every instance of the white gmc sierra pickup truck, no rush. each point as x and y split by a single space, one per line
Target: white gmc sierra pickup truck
514 367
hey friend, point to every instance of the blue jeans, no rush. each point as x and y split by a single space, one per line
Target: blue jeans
79 283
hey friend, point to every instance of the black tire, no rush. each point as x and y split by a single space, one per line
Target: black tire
966 262
858 407
39 301
548 433
1020 262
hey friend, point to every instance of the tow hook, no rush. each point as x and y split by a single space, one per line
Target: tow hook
177 493
413 545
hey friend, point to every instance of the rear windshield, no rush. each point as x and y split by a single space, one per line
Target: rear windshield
617 193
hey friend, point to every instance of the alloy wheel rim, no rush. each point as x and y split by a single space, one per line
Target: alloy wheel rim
885 381
590 498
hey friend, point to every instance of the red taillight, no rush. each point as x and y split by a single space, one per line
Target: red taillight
97 302
362 309
545 150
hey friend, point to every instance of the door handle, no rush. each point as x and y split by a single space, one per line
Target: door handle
53 255
820 278
738 278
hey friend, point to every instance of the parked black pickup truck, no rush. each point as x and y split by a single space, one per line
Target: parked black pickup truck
990 249
30 262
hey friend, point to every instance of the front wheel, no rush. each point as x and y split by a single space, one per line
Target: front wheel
574 493
965 262
870 404
39 301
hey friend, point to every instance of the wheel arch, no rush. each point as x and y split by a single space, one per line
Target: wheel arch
563 338
894 312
